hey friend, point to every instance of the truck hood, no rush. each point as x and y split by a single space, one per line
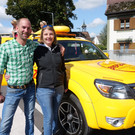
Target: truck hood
106 69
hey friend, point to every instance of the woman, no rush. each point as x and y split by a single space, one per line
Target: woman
51 78
43 23
14 32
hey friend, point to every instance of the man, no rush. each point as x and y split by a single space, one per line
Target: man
16 56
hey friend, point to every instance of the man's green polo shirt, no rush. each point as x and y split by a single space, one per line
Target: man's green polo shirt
18 61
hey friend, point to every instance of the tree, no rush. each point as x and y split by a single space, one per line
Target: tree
38 10
103 37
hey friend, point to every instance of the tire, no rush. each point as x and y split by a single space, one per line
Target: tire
71 116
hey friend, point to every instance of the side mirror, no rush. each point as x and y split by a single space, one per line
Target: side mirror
106 54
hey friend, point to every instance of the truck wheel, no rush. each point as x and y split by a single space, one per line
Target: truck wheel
71 116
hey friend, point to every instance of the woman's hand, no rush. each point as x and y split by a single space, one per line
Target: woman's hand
2 98
66 90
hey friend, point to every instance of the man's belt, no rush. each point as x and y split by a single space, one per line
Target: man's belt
23 86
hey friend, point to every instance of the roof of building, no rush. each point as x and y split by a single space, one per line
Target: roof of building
120 6
83 35
87 36
109 2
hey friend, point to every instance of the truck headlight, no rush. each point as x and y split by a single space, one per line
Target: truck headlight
113 89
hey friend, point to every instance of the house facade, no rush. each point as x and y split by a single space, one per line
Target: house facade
120 24
96 40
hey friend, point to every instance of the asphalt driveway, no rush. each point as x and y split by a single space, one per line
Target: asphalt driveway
119 132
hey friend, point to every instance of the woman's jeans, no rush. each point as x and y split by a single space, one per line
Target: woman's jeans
12 99
49 100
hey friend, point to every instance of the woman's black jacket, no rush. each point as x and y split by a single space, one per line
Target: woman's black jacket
51 67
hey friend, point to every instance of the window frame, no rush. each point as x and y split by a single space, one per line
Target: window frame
117 23
124 23
124 44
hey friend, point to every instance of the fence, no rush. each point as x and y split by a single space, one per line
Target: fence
127 55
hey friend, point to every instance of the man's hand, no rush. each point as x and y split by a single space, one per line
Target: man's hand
7 77
62 49
2 98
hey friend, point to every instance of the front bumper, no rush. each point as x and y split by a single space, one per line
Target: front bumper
112 108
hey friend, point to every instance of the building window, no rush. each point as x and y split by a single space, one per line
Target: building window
124 24
124 46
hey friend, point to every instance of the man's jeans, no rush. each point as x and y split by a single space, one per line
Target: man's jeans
49 100
12 99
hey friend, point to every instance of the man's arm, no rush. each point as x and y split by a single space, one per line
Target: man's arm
1 76
3 65
2 98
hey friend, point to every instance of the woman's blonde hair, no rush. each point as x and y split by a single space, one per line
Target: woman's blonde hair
14 22
48 27
43 23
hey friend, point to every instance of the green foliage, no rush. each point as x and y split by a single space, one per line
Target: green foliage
103 36
102 47
38 10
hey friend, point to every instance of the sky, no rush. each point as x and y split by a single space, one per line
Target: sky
90 12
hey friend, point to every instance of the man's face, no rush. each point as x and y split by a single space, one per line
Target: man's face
24 29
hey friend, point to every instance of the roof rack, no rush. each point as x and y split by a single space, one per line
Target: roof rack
65 34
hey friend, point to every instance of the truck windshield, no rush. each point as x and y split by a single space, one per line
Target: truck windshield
81 50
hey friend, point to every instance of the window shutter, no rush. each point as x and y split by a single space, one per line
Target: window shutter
116 46
116 24
132 46
132 23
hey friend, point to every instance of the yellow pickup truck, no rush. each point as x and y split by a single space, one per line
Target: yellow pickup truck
101 91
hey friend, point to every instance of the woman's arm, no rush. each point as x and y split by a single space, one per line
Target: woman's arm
65 75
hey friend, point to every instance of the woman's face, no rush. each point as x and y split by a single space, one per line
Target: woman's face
48 37
41 25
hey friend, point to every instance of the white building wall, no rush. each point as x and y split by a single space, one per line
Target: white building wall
114 36
96 41
111 34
